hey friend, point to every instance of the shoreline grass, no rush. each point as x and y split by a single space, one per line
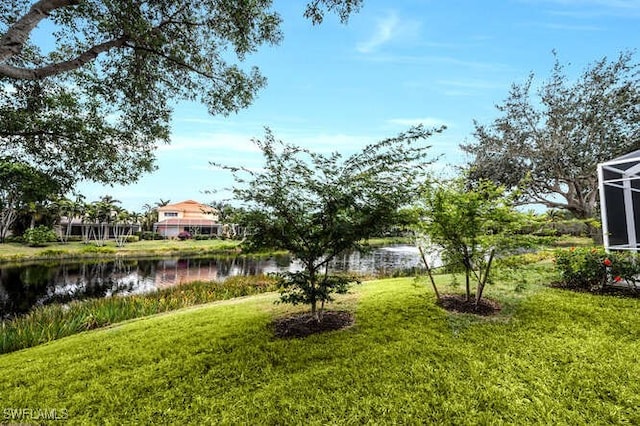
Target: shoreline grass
47 323
551 357
16 253
19 253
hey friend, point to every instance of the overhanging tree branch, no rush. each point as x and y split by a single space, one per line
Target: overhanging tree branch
172 59
155 52
13 41
61 67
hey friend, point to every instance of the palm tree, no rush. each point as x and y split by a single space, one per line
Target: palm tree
155 216
65 208
121 226
35 210
149 217
108 199
136 218
86 212
90 216
108 210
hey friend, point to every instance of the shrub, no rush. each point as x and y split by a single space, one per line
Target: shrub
39 236
624 268
148 235
132 239
582 267
593 268
184 235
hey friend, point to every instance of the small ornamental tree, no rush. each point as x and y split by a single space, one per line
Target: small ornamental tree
317 206
470 226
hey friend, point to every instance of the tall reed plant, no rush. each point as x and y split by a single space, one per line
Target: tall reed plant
47 323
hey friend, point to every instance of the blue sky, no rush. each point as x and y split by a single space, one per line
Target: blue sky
338 87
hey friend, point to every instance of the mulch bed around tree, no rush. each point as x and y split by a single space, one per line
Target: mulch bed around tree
302 325
458 303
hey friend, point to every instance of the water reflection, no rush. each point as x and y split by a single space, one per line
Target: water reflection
24 287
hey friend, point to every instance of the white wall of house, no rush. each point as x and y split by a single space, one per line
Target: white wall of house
170 215
169 231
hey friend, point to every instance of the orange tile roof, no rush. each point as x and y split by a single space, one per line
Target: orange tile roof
188 205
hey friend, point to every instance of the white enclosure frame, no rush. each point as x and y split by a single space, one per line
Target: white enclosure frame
619 184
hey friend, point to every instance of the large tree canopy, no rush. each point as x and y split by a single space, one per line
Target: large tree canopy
549 147
96 103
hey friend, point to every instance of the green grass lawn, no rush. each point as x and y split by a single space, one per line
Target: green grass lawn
550 357
19 252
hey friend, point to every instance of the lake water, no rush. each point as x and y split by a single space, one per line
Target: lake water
23 287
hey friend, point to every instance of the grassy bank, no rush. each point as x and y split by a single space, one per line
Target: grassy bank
14 252
50 322
550 357
46 323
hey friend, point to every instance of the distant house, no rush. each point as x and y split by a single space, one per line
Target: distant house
190 216
93 228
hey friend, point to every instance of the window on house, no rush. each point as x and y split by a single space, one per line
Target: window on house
170 214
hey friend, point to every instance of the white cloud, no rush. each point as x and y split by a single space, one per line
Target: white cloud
412 60
388 29
325 142
385 30
212 142
566 27
235 149
211 121
467 86
471 84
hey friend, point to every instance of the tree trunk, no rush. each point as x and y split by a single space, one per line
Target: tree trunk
586 214
321 313
467 284
314 300
595 233
314 310
484 279
426 265
467 272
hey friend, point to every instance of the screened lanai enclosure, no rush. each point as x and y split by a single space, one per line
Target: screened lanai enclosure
619 181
